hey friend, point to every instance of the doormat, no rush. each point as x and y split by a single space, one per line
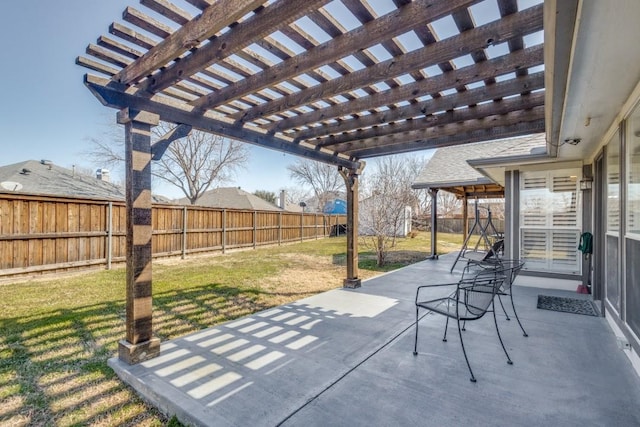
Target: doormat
567 305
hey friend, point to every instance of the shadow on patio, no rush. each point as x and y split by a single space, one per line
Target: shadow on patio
345 358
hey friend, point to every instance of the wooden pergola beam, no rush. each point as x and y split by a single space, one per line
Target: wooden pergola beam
431 106
472 73
117 98
411 15
516 25
214 18
478 135
495 108
426 134
160 146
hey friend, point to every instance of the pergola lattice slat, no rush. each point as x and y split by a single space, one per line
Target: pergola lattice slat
220 14
252 29
338 47
427 133
523 23
430 122
487 133
443 103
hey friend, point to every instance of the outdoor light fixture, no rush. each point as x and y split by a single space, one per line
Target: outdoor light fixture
586 183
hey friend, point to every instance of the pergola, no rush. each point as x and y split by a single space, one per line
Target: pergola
334 81
464 192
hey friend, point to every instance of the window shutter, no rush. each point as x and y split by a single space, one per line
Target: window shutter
550 222
566 256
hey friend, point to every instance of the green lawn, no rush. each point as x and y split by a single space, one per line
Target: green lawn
56 333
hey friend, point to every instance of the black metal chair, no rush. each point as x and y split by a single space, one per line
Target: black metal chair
512 268
471 300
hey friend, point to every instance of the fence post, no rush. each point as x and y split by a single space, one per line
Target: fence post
184 232
302 225
224 229
109 234
279 228
315 222
255 228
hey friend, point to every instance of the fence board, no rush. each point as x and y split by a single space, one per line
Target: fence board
48 234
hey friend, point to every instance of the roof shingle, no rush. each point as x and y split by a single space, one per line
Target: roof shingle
448 166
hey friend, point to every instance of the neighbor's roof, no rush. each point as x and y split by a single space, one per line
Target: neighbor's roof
47 179
232 198
335 81
36 177
449 167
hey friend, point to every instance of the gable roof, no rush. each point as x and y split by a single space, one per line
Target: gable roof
45 178
449 167
231 198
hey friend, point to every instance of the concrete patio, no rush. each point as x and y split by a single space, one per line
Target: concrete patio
344 357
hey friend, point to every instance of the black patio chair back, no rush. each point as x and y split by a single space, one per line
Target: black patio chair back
511 269
472 298
477 294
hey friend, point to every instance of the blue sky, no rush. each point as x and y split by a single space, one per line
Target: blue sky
45 110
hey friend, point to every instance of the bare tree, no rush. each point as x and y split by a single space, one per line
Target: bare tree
386 194
324 179
448 204
107 149
193 164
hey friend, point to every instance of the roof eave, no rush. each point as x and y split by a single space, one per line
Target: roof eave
509 161
424 185
559 31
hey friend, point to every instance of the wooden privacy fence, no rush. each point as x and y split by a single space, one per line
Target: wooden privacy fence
42 233
454 225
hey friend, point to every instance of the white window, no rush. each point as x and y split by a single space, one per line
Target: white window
549 221
633 174
613 185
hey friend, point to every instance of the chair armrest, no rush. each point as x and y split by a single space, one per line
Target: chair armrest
437 285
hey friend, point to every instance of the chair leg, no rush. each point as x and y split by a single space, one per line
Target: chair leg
415 342
524 333
495 320
473 378
446 326
503 309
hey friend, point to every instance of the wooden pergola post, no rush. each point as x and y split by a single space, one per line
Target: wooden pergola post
350 177
465 216
433 192
139 344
